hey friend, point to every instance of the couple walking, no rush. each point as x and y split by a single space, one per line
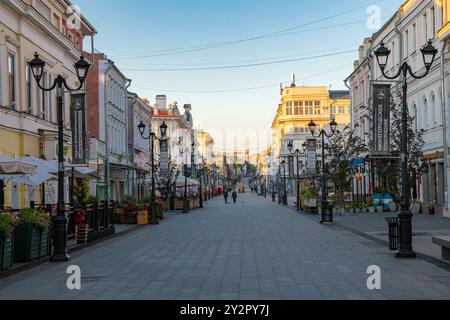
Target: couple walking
233 195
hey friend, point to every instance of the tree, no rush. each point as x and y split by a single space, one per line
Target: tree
343 149
389 170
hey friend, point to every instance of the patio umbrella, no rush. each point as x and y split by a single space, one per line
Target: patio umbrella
13 166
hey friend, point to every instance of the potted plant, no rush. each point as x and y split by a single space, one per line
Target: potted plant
379 205
31 235
431 206
7 222
415 207
370 204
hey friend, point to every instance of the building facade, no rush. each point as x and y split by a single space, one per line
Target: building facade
28 115
298 106
410 28
108 127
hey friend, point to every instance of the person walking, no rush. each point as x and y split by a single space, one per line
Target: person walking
225 195
234 196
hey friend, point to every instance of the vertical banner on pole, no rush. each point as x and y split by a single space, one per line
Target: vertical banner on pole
78 120
164 156
311 147
381 119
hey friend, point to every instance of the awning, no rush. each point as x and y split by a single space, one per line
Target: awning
190 182
14 166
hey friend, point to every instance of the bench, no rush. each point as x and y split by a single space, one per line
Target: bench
444 242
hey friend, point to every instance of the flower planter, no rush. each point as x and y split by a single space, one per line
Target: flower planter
372 209
30 243
6 252
380 209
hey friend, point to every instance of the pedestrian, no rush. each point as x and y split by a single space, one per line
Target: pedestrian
234 196
225 195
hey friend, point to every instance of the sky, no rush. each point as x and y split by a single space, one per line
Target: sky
154 41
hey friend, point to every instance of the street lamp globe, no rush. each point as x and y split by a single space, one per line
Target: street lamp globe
312 127
141 128
382 54
82 68
290 146
163 128
333 125
37 67
429 54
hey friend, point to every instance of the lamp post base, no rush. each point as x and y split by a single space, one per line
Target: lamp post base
60 253
405 254
327 214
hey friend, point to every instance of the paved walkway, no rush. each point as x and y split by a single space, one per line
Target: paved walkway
250 250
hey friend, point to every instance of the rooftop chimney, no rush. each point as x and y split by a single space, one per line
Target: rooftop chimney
161 102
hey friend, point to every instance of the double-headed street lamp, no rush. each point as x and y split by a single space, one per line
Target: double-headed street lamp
297 153
60 222
429 54
152 136
327 213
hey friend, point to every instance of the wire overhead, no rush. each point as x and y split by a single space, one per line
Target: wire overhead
188 49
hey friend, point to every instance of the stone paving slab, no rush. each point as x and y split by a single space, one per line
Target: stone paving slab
250 250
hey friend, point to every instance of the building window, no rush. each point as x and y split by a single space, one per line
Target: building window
406 44
341 110
425 28
433 22
414 38
12 80
43 9
28 89
44 96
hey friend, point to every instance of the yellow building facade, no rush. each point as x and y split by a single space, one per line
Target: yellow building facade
298 106
28 116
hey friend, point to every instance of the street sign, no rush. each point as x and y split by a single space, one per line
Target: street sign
381 119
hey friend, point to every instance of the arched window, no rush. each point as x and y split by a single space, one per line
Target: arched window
426 122
414 116
433 118
439 115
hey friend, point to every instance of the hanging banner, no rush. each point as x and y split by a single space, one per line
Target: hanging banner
311 147
164 156
78 120
381 119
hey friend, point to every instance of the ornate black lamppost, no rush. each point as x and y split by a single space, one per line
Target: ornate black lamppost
60 253
185 173
285 202
429 54
327 213
297 153
152 136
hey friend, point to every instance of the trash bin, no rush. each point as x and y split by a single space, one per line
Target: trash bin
142 217
394 233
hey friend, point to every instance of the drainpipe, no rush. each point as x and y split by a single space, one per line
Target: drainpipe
127 151
106 97
444 127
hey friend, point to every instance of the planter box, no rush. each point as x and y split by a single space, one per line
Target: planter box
142 217
30 243
6 252
178 204
380 209
372 209
312 203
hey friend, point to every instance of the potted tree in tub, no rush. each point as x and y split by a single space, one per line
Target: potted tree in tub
370 204
31 235
6 241
379 205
